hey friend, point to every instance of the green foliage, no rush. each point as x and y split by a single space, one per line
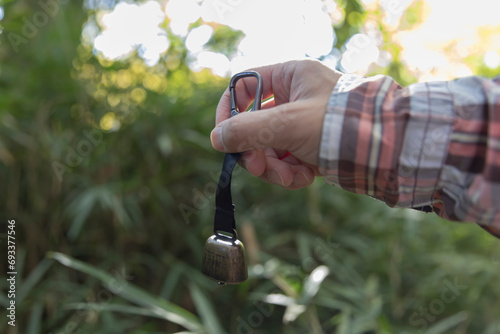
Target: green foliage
110 240
354 15
412 15
225 40
476 62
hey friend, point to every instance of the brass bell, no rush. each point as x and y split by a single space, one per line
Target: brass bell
224 259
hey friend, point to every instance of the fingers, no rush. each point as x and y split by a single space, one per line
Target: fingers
223 108
257 129
289 173
274 83
254 161
287 82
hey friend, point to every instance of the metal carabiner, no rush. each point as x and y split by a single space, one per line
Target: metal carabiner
258 92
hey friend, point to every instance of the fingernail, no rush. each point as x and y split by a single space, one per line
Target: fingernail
305 177
216 138
278 178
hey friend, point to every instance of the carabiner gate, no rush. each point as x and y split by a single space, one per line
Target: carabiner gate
258 92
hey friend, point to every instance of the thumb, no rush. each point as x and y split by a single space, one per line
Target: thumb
253 130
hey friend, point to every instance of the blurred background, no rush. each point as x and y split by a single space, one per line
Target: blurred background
107 170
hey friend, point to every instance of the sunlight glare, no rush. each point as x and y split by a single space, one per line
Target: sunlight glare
301 29
319 35
423 46
217 62
182 13
198 37
129 27
492 59
394 9
361 51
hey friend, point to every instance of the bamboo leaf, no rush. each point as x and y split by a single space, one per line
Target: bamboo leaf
35 320
34 277
135 310
171 281
445 325
313 283
206 310
156 305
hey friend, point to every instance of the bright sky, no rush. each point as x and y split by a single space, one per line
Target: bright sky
279 30
129 27
465 27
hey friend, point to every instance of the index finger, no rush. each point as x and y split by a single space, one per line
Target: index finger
246 87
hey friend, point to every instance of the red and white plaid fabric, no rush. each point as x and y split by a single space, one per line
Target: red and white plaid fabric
432 145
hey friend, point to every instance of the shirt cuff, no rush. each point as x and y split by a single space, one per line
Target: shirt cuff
332 127
386 141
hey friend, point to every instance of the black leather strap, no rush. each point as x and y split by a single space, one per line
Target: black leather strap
224 207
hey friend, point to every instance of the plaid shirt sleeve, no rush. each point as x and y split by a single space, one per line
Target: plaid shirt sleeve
430 146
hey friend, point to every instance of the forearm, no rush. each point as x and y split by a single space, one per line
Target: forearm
429 144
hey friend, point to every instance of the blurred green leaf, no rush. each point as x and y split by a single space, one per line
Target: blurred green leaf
132 310
158 306
34 278
206 309
445 325
35 320
312 284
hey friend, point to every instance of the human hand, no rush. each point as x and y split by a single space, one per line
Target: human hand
290 122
